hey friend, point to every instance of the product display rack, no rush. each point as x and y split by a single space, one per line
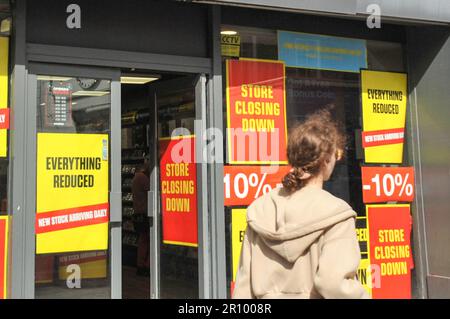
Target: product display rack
132 159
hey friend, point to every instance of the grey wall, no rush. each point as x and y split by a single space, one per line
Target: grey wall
313 24
419 10
162 27
429 75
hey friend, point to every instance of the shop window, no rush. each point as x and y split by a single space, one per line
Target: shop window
72 199
308 90
4 155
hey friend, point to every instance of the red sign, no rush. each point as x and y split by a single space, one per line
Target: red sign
71 218
390 250
179 191
385 184
4 119
243 184
3 254
383 137
256 112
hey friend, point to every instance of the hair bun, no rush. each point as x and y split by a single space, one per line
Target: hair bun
292 181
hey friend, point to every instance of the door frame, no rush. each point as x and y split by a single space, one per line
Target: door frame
26 283
18 186
22 272
198 83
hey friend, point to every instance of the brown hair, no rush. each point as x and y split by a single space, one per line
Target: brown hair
310 144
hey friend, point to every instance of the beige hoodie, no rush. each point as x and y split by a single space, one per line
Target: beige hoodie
301 245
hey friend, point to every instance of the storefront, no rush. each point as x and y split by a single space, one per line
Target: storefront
141 130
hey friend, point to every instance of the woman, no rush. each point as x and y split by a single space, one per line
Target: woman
140 187
301 240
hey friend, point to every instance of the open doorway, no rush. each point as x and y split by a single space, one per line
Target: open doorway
170 266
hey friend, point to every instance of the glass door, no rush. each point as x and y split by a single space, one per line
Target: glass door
77 216
177 193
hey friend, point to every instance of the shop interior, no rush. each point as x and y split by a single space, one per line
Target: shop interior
175 109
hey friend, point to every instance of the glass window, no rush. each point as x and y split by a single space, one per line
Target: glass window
3 186
179 260
4 85
73 125
4 154
308 90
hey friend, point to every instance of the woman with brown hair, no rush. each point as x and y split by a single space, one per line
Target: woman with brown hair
301 240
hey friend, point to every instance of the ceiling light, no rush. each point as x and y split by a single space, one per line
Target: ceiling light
90 93
228 32
52 78
137 79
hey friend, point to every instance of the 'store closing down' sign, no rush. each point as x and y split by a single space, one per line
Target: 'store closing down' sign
256 112
386 256
72 192
179 190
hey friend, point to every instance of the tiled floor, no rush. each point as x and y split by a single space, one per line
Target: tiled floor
133 287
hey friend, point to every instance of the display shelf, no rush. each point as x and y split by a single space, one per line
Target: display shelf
128 160
138 148
135 146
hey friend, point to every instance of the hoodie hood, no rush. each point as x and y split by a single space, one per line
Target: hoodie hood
289 223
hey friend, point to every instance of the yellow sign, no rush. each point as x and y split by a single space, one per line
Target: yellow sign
92 265
384 97
239 224
386 258
72 192
3 91
364 269
231 45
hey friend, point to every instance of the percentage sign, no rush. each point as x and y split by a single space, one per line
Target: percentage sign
253 180
405 186
261 186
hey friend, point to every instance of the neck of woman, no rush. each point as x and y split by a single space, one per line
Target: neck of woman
315 181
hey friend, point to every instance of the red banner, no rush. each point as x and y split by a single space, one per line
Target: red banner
256 112
71 218
385 184
179 191
383 137
390 250
3 254
243 184
4 118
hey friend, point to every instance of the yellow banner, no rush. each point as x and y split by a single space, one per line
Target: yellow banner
239 224
4 51
384 98
364 269
72 192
